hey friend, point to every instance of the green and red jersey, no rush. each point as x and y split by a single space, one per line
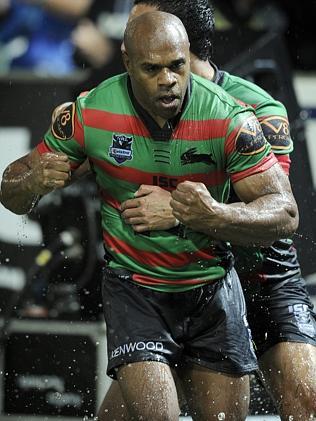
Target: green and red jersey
215 140
271 113
279 261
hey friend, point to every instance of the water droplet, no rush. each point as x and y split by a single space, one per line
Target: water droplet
221 416
57 395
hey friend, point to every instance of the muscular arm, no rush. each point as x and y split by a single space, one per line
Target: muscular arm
32 176
267 212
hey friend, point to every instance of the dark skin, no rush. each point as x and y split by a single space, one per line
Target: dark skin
151 210
159 82
268 210
159 73
159 79
191 201
171 91
32 176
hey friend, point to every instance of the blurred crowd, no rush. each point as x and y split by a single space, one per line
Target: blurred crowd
57 37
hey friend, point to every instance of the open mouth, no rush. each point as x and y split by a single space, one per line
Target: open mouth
169 100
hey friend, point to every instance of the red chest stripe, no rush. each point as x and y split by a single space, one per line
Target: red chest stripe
135 176
119 123
186 130
110 200
160 259
201 130
148 280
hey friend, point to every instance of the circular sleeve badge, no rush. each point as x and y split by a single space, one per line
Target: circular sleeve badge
63 121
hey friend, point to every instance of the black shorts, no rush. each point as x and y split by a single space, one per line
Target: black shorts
205 326
279 312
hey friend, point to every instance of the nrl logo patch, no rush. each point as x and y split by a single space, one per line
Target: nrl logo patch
121 148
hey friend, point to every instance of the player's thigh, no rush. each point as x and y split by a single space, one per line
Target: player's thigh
286 315
289 369
291 312
149 391
212 395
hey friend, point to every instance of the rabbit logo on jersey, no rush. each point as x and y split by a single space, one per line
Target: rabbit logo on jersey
121 148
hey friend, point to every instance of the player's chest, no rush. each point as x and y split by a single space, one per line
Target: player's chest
176 156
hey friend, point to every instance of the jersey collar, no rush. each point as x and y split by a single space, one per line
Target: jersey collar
218 77
156 132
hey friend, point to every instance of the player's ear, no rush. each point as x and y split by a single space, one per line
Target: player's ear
126 60
123 47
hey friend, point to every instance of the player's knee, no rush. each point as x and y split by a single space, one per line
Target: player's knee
234 409
301 401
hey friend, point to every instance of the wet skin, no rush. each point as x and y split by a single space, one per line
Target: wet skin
159 68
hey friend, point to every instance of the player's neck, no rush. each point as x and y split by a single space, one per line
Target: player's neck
202 68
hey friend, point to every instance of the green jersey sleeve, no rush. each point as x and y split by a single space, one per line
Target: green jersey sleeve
271 113
247 151
66 133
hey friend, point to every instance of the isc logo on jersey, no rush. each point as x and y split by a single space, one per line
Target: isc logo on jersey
121 148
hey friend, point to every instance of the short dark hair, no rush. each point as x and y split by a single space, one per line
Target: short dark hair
197 17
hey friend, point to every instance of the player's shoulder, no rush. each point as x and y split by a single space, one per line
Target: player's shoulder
247 91
208 91
106 89
234 82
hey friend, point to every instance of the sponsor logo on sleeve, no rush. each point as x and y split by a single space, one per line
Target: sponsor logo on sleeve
250 139
277 132
63 121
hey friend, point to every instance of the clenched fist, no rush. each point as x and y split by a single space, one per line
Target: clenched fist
194 207
48 172
150 210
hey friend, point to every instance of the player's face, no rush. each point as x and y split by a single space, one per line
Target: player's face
159 71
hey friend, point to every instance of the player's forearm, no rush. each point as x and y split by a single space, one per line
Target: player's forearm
17 193
260 222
